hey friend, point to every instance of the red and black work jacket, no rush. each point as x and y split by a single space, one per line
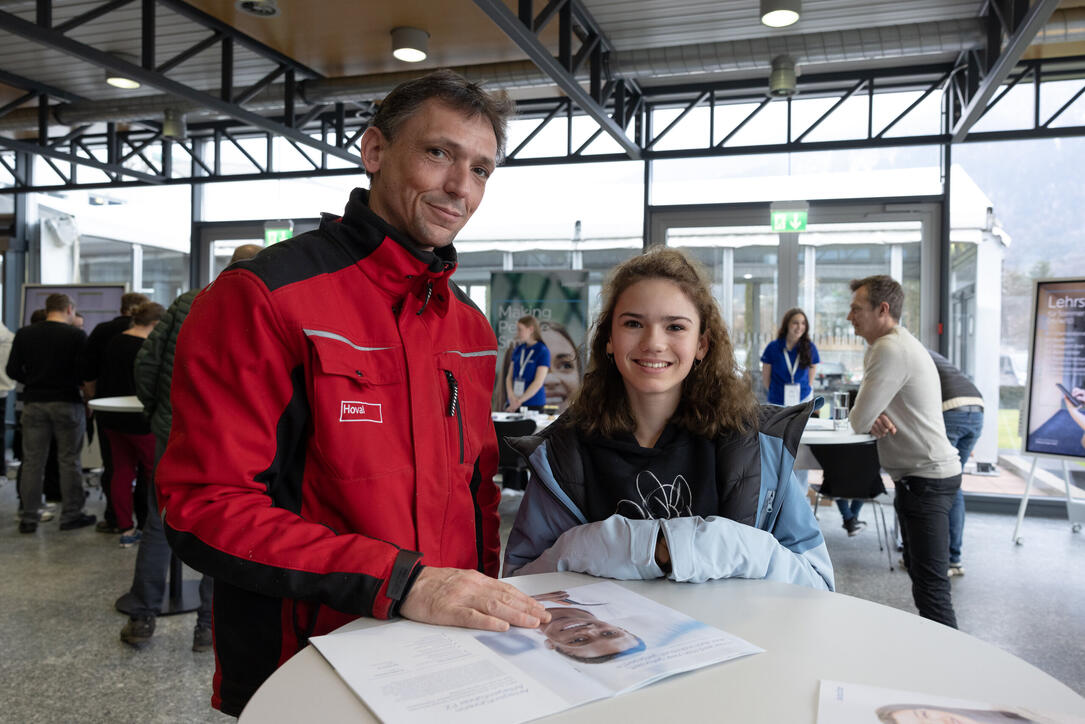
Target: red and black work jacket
331 431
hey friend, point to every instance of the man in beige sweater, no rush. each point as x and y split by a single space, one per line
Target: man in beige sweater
900 403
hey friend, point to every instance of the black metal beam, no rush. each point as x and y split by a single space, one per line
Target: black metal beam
190 52
31 31
1033 20
226 30
529 43
46 152
91 15
18 81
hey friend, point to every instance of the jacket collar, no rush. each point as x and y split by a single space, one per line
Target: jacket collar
392 259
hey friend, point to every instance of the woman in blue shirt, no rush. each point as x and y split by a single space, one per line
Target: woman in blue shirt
789 361
528 365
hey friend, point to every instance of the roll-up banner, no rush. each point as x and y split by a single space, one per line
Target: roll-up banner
1055 407
559 300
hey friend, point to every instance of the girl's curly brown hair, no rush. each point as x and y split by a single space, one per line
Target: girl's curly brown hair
715 395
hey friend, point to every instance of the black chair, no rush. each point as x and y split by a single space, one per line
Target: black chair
510 464
853 472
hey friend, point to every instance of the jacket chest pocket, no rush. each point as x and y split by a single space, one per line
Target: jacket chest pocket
359 403
466 382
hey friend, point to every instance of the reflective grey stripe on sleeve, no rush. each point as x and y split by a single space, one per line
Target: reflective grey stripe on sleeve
484 353
341 338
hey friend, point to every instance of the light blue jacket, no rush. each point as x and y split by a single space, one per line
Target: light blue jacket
779 540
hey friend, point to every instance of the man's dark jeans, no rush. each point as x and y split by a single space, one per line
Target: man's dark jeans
923 508
153 561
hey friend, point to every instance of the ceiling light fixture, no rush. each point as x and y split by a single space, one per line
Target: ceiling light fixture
173 125
780 13
783 81
259 8
410 44
118 79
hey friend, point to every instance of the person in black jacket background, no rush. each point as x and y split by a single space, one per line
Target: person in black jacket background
46 358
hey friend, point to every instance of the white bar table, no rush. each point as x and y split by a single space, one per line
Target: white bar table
182 596
127 403
808 635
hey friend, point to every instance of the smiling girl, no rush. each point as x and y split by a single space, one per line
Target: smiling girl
664 465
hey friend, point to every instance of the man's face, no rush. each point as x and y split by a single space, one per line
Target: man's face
866 320
577 633
428 181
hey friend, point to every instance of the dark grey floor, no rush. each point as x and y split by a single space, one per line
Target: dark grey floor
61 659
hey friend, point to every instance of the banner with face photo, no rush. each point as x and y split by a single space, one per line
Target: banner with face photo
1055 412
559 300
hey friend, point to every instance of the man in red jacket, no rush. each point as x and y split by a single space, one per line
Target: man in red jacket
331 453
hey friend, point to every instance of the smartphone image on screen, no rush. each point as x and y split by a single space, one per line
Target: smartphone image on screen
1073 400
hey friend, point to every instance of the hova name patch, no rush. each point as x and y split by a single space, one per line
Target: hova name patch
351 411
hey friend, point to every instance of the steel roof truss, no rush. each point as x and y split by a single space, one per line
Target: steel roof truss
559 69
930 89
742 123
1065 105
9 107
49 37
852 91
252 91
189 53
558 107
52 153
678 119
244 153
1031 20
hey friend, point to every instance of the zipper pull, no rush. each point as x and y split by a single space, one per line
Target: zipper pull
453 393
768 501
425 302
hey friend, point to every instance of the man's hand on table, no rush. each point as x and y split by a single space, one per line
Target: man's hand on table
883 426
457 597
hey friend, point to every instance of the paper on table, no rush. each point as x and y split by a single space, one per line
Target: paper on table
816 423
840 703
411 672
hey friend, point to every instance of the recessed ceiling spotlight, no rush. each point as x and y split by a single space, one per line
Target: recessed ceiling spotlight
410 44
118 79
259 8
780 13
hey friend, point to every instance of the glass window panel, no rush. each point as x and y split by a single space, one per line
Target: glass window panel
743 266
103 260
860 173
829 257
165 274
538 259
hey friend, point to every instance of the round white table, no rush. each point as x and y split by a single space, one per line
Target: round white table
128 403
834 437
808 635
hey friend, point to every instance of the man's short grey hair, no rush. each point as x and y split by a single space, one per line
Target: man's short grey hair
882 288
453 90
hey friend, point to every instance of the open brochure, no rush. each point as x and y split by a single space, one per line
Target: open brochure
840 703
602 640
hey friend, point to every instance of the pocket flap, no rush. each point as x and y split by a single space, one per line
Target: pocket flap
369 364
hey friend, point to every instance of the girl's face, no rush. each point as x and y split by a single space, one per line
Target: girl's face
655 338
563 379
523 333
796 327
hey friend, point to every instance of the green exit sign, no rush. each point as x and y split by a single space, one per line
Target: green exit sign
273 235
789 221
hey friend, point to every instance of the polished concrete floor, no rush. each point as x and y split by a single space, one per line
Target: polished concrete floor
61 659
